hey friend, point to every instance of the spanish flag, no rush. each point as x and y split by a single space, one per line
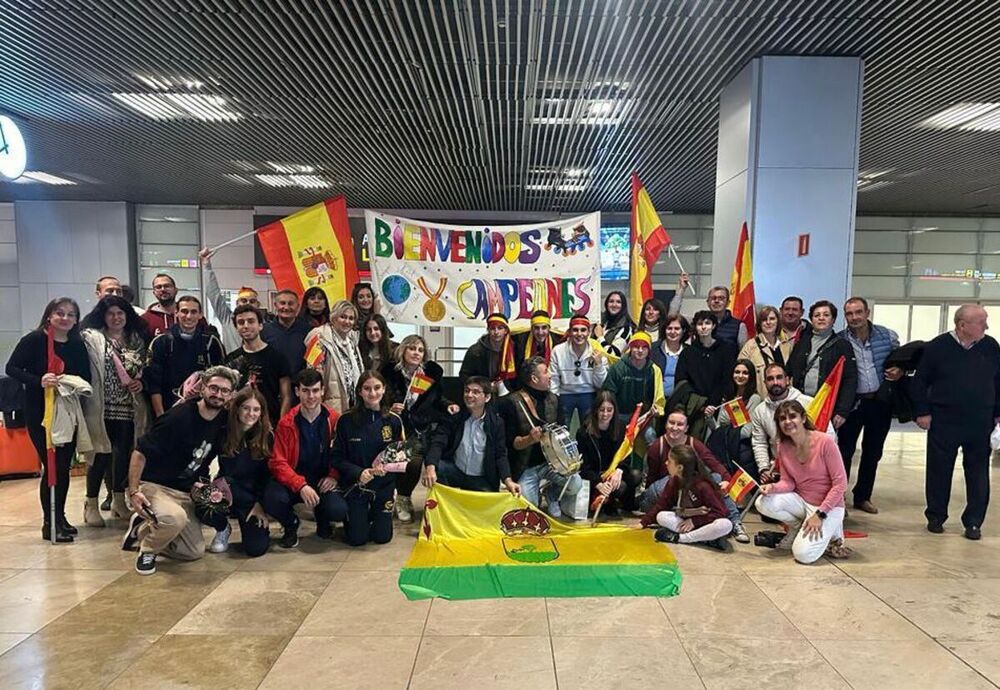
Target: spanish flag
625 449
740 485
312 248
54 364
479 545
648 239
420 383
737 411
314 352
741 296
821 408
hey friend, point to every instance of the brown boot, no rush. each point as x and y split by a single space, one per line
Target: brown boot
92 513
867 506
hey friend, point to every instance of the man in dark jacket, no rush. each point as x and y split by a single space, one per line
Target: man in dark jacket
817 352
707 363
727 328
469 450
287 332
486 356
956 397
173 356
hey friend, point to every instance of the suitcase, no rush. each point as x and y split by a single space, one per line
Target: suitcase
18 456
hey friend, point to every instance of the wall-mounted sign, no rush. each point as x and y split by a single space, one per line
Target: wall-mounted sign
13 156
803 244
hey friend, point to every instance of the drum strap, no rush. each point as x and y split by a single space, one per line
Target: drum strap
532 411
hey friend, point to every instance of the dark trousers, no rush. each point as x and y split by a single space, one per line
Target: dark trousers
255 537
449 475
279 502
369 513
950 431
121 433
875 417
64 458
624 498
407 481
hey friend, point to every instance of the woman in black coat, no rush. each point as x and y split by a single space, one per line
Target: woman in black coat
598 439
413 391
29 364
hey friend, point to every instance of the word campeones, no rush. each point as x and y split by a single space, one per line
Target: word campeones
413 243
518 297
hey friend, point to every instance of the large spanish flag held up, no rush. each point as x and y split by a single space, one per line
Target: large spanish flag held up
741 296
477 545
312 248
821 408
648 239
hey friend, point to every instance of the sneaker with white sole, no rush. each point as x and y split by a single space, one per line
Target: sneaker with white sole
220 543
131 540
404 509
740 533
145 564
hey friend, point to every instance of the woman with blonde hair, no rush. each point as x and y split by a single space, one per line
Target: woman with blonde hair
341 363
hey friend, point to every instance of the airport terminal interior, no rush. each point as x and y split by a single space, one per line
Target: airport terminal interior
323 324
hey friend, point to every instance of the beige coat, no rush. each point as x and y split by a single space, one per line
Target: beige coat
93 407
67 419
336 394
751 350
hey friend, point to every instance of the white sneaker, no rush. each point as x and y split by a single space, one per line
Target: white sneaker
220 543
404 509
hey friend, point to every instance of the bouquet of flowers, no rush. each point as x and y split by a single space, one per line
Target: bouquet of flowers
397 454
212 497
128 364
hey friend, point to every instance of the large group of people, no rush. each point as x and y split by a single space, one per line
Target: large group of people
316 404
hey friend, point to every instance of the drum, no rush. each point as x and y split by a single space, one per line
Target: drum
560 450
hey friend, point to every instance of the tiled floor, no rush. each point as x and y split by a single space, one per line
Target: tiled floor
909 610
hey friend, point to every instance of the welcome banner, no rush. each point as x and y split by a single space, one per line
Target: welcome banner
436 274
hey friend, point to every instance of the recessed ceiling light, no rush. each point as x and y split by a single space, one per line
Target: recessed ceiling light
30 176
237 178
304 181
179 106
576 172
162 83
967 116
292 168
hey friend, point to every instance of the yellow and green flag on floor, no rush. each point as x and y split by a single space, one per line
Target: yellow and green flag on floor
476 545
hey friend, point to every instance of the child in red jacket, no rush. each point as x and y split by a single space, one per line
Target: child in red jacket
689 510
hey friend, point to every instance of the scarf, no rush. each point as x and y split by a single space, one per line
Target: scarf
529 348
347 359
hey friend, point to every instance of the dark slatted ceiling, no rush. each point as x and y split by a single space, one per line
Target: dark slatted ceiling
475 104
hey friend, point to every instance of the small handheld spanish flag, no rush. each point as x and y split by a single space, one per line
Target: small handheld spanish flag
625 449
737 411
420 383
314 352
740 485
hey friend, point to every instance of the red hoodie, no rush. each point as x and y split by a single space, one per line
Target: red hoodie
656 459
285 456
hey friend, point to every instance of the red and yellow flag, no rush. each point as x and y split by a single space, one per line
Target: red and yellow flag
737 411
312 248
648 239
314 352
625 449
741 296
740 485
420 383
54 364
820 410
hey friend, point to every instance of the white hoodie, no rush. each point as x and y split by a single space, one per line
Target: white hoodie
562 365
764 431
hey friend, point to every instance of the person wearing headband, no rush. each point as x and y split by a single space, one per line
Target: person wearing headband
635 379
537 342
492 356
577 371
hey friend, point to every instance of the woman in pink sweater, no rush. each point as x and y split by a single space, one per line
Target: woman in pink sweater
809 498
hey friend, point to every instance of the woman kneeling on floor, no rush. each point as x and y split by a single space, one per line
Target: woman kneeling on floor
809 498
243 464
363 433
689 510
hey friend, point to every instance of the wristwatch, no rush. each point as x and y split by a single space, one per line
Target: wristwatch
822 515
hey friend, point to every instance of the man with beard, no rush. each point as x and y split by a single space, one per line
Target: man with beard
166 463
492 356
764 430
792 323
183 349
260 366
162 314
287 333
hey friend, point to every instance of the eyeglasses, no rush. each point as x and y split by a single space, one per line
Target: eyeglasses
212 388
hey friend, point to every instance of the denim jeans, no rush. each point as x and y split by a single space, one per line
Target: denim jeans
568 402
531 481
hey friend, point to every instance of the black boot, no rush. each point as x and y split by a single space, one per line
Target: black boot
62 537
106 504
64 526
667 535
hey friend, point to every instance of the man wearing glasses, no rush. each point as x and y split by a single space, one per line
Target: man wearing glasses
577 371
162 314
167 461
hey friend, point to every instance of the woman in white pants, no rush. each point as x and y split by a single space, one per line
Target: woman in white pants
689 510
809 497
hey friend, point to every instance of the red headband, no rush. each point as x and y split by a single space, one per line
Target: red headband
579 321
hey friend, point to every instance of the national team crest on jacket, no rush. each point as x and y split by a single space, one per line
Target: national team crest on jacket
386 432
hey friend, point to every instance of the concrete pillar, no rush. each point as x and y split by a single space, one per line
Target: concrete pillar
788 166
